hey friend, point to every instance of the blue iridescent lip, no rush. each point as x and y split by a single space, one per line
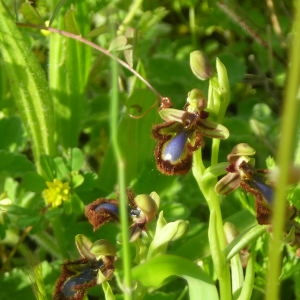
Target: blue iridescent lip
73 284
78 282
112 208
266 190
174 148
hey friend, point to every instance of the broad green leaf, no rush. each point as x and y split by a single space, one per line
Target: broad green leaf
11 128
14 164
33 182
154 272
30 14
17 285
28 86
135 141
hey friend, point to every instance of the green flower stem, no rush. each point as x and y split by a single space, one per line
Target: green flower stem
114 117
218 99
216 234
29 87
289 121
215 151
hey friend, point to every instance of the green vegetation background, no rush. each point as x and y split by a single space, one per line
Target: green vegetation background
63 130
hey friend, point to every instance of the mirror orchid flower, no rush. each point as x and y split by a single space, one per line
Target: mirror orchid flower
142 209
95 266
182 133
241 173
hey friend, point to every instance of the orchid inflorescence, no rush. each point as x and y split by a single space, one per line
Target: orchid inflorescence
242 173
181 133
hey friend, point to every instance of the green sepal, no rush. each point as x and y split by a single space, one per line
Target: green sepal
172 114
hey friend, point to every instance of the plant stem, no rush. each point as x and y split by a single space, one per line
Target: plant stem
216 234
114 109
215 151
284 158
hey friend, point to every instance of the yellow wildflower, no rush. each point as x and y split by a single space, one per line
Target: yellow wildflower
56 193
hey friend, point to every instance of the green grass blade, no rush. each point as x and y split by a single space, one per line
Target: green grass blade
114 121
290 119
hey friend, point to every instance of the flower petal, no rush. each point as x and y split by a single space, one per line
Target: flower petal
102 211
168 162
241 149
212 129
228 183
166 130
174 148
266 190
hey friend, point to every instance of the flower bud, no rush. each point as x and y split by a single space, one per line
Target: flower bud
199 65
147 205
